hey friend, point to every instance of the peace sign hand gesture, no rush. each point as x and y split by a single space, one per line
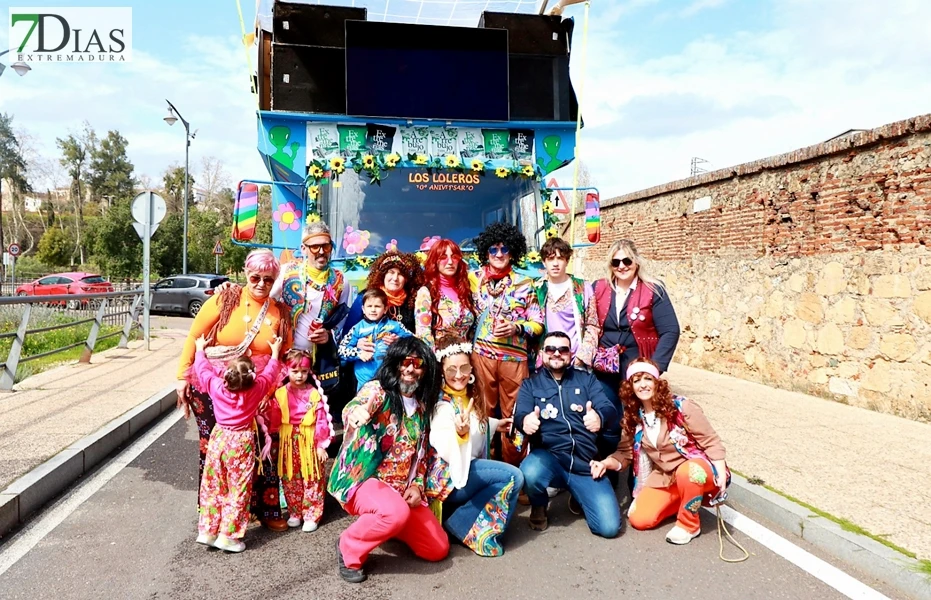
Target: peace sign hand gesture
463 420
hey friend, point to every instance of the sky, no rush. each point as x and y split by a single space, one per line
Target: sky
661 81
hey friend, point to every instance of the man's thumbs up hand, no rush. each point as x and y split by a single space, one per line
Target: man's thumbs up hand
591 419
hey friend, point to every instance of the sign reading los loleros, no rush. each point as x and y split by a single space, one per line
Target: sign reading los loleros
71 35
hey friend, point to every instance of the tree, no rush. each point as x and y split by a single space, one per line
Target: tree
110 173
214 182
76 152
12 164
117 247
173 189
166 246
55 247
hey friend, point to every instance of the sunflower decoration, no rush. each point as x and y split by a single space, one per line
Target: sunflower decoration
312 217
313 192
527 171
337 164
421 256
478 165
368 162
391 161
533 257
548 207
452 161
364 261
502 172
551 232
316 171
421 159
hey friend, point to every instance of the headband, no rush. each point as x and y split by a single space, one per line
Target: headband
306 237
463 348
642 367
303 363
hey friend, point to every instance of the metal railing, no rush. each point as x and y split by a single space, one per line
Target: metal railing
107 308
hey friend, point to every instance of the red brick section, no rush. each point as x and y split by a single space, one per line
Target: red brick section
866 191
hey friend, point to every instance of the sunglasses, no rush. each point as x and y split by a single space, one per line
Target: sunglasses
556 349
318 248
258 278
452 370
499 251
412 361
617 262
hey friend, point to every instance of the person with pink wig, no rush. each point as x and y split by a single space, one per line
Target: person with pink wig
237 322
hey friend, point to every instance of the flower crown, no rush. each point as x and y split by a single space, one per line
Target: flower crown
463 348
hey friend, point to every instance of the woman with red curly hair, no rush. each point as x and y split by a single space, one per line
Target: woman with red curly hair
677 457
444 306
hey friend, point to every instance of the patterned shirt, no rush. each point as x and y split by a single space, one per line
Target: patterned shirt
513 299
383 448
452 317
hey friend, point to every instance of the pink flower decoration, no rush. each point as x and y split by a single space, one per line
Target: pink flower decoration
355 242
428 242
392 246
287 217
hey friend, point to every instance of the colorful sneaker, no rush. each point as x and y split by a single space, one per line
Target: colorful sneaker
309 527
228 544
350 575
294 522
206 539
680 537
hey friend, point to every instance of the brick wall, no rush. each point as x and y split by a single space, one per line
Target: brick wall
809 271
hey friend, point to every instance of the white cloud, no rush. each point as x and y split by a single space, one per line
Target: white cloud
817 70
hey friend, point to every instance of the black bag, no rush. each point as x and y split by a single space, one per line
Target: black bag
326 359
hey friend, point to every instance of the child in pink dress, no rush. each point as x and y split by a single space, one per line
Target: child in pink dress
300 412
226 486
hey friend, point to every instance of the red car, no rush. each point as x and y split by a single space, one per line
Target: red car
66 283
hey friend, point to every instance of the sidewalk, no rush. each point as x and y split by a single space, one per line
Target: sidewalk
867 467
50 411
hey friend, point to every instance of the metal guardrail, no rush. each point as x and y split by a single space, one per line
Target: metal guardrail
102 305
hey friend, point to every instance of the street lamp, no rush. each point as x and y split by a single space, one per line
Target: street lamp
171 119
21 68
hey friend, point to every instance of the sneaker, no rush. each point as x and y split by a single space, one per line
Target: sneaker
680 537
552 492
206 539
228 544
538 518
574 506
350 575
309 527
294 522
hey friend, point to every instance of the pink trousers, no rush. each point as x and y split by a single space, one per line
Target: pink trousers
383 515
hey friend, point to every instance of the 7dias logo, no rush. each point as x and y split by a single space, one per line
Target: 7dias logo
71 34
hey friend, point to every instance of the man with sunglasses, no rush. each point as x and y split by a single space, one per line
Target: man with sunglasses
379 471
508 319
565 411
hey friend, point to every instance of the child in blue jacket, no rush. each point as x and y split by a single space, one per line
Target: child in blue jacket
374 327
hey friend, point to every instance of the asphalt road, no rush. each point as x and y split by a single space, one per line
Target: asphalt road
134 538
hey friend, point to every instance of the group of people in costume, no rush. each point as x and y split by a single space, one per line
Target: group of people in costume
472 391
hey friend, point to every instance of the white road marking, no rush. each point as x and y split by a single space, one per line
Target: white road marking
50 518
808 562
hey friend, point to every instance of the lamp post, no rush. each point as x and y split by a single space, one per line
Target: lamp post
21 68
171 119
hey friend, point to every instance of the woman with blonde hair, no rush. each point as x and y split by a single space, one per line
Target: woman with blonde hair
636 316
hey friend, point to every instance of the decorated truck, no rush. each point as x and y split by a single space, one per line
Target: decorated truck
398 134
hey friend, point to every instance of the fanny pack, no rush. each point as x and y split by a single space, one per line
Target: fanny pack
608 360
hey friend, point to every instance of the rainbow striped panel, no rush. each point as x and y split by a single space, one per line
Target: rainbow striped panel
245 212
592 218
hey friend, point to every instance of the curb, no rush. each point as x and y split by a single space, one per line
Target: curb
869 556
35 489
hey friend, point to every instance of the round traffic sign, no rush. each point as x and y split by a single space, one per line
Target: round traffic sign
14 249
158 208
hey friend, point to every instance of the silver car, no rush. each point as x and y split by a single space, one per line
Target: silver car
184 294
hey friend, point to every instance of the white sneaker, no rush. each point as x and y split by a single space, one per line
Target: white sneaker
206 539
228 545
680 537
309 527
552 492
294 521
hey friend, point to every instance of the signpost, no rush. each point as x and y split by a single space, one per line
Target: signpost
560 205
217 253
148 210
14 251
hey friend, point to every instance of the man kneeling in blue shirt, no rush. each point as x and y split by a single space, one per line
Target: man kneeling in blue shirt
564 411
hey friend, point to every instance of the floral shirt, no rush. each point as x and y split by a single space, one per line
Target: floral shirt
452 317
383 448
514 299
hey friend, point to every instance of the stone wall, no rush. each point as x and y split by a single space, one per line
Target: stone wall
808 271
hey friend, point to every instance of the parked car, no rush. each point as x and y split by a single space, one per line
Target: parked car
60 284
184 294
